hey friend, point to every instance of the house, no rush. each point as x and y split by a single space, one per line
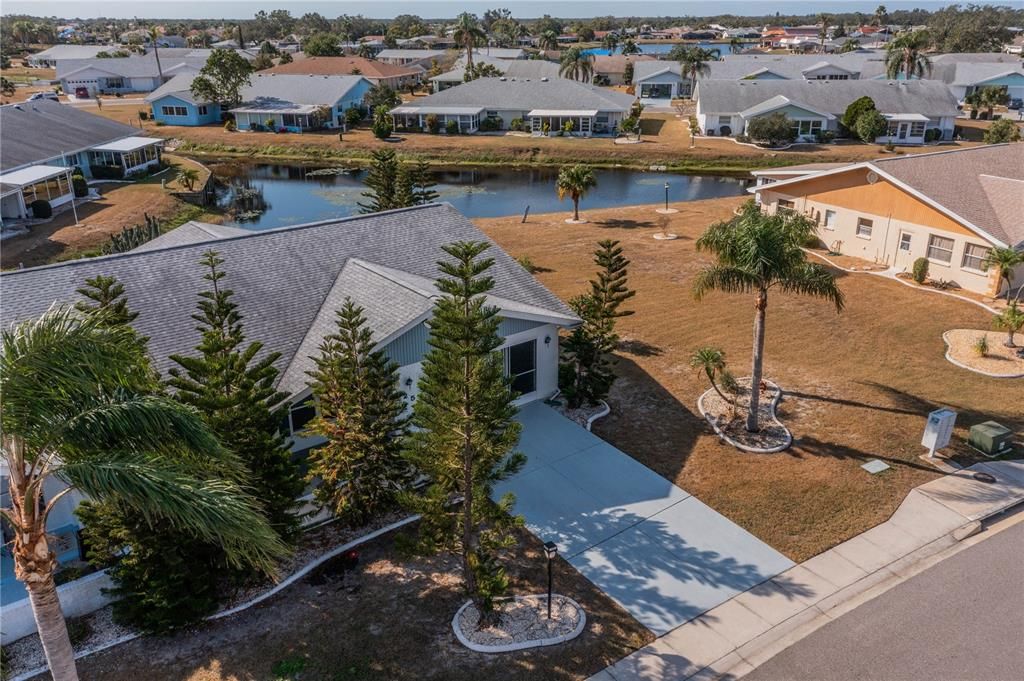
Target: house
44 140
140 73
520 69
377 72
499 52
965 73
951 207
660 80
289 283
848 66
278 101
48 58
726 107
541 106
401 57
612 68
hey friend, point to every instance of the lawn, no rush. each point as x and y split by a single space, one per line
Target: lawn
858 384
388 619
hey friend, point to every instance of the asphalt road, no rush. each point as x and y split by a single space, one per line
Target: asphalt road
961 620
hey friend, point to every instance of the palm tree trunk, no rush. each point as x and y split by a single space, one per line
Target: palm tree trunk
757 362
35 564
576 208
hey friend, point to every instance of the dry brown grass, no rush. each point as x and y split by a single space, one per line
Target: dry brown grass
858 384
389 620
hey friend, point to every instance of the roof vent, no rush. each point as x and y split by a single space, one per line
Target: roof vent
503 79
544 79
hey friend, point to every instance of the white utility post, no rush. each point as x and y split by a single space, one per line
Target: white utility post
938 430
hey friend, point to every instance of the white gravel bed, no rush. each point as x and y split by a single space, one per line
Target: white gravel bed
729 421
520 623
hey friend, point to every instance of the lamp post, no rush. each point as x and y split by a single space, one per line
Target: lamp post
666 210
666 196
550 550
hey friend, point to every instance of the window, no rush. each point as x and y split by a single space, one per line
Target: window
289 120
830 219
115 83
785 205
492 114
174 111
864 228
905 241
202 109
521 366
724 120
301 414
975 256
940 248
807 128
917 129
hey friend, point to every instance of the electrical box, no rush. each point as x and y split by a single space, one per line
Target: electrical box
990 438
938 429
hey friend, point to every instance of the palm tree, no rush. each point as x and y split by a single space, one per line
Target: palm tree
694 61
1004 260
153 35
610 42
711 361
824 20
851 45
548 40
188 177
80 405
576 64
736 46
23 29
1010 320
880 14
574 181
756 252
630 47
364 51
905 55
468 35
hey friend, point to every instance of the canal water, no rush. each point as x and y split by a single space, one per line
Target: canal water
294 194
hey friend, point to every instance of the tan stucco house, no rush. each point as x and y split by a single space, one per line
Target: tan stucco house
951 207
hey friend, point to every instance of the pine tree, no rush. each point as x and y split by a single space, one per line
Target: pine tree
362 418
235 391
105 293
465 431
381 182
423 184
404 190
611 288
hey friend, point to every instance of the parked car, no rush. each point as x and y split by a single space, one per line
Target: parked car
43 95
81 93
1016 103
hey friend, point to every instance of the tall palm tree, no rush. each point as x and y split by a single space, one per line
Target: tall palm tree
1005 260
154 34
630 47
851 45
711 361
694 61
1010 320
574 181
610 42
548 40
756 252
906 55
576 64
468 35
880 14
79 404
736 46
824 20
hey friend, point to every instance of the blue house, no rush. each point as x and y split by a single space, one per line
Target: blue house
270 102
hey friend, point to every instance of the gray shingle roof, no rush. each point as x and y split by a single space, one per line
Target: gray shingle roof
40 130
511 68
192 232
928 97
646 69
524 95
139 66
180 86
267 89
284 280
792 66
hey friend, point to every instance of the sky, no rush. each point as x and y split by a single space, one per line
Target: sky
430 9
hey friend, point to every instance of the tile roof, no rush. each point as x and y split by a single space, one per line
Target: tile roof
339 66
41 130
524 95
983 185
286 281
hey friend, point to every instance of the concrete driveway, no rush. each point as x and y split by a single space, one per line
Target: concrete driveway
658 551
657 104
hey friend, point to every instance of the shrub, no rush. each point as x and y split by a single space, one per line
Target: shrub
920 270
932 135
382 124
1002 131
981 346
160 123
870 126
489 124
567 127
825 136
630 124
229 125
353 117
270 124
527 264
857 108
890 146
41 208
773 130
143 115
726 130
78 630
515 124
107 172
433 124
745 139
451 127
79 185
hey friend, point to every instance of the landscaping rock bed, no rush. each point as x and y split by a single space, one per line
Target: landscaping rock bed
730 421
584 416
999 360
520 623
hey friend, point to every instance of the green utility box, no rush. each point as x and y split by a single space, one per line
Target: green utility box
990 438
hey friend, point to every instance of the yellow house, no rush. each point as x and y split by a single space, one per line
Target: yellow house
951 207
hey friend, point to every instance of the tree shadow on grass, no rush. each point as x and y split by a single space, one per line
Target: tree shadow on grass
622 223
635 346
808 445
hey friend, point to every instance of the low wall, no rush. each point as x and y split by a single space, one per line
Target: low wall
77 598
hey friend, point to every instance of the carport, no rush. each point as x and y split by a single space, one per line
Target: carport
654 548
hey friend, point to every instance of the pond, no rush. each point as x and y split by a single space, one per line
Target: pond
294 194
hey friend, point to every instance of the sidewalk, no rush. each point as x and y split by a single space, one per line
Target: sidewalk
738 635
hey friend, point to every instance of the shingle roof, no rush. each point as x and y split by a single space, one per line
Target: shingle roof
410 54
41 130
139 66
285 280
646 69
180 86
62 52
984 185
524 95
264 89
791 66
511 68
192 232
927 97
338 66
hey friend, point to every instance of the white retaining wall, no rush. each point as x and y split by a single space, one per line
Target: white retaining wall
77 598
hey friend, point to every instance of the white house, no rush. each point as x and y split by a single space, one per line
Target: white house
660 80
726 107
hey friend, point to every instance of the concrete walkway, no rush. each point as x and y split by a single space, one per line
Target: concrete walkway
658 551
732 639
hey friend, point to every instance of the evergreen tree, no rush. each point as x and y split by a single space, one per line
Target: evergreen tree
381 181
611 288
105 293
234 390
423 184
405 194
362 418
465 431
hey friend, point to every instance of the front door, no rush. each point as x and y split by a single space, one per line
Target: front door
903 248
904 130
